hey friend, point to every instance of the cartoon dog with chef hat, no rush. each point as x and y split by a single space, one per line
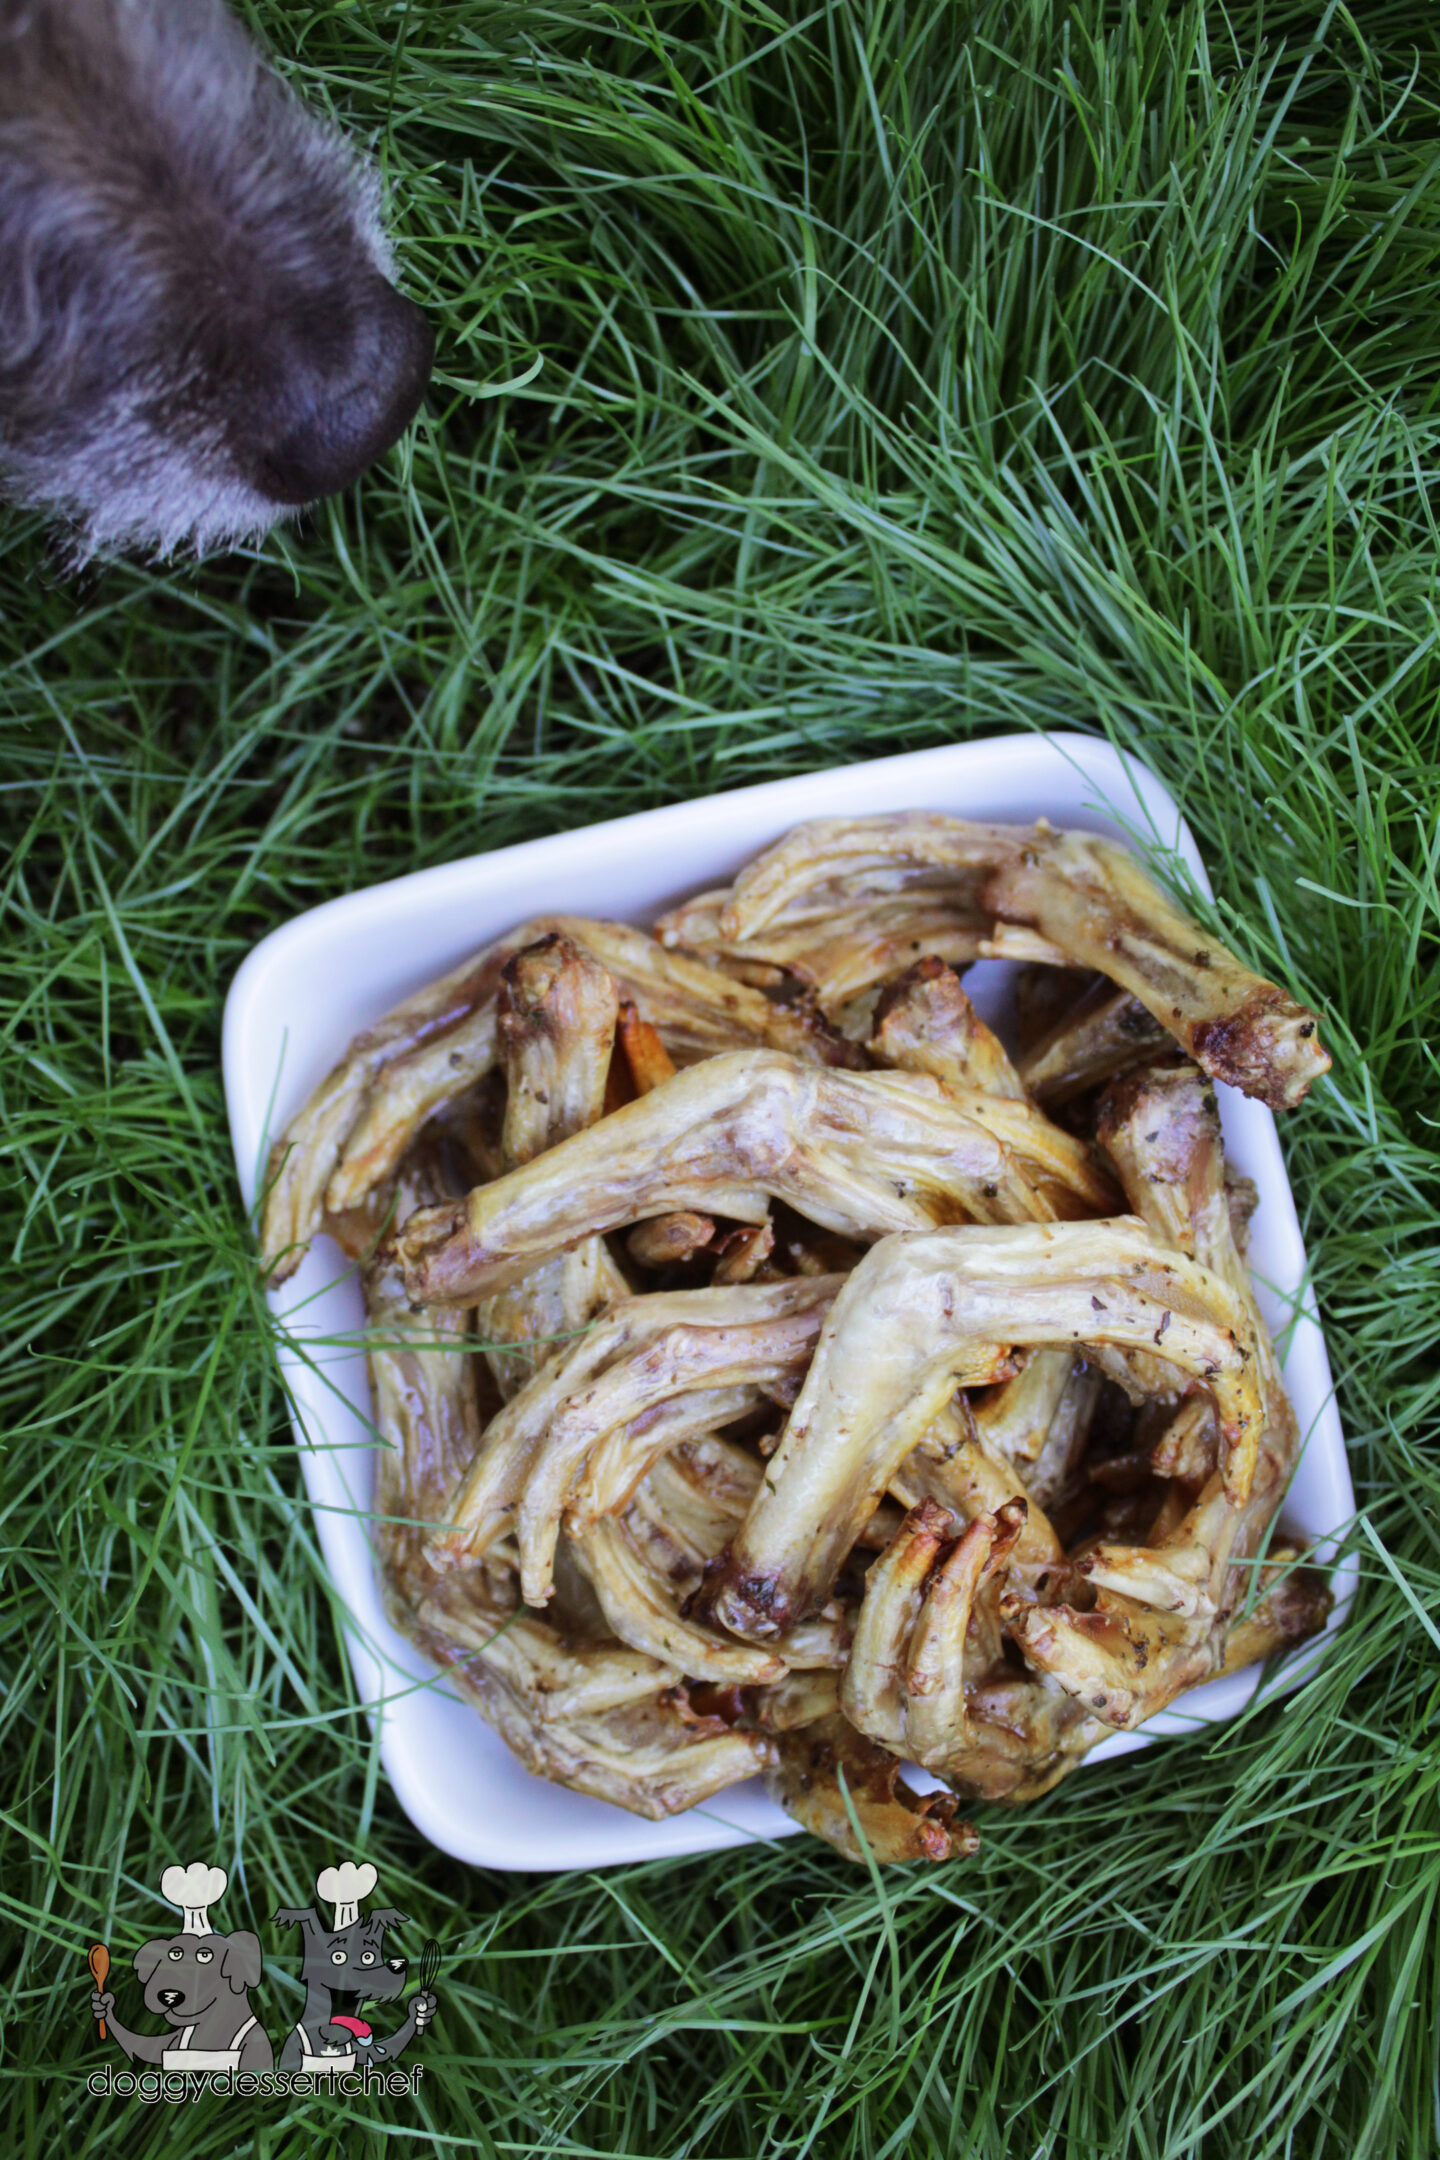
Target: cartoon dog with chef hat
199 1982
344 1967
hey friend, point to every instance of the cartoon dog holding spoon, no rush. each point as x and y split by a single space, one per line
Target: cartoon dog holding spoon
199 1982
344 1966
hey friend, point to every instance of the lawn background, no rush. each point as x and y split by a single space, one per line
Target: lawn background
812 384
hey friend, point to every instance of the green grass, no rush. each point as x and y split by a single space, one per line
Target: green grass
906 372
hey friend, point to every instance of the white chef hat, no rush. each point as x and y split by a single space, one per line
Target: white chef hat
193 1888
344 1886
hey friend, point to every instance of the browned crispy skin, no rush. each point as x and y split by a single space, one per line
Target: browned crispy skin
1162 1607
666 1239
953 1467
1023 1735
618 1378
926 1680
873 1691
556 1022
858 1153
925 1023
427 1026
595 1715
891 1354
841 940
665 1551
821 1763
1127 1663
928 1630
353 1132
1088 901
743 1253
1105 1033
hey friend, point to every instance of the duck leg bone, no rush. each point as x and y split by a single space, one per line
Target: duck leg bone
821 1764
597 1716
556 1021
627 1376
354 1130
1089 902
1159 1623
900 1337
857 1153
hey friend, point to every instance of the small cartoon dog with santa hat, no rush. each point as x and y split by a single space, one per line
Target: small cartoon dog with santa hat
344 1967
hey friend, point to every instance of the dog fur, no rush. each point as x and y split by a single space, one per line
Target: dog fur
198 328
198 1980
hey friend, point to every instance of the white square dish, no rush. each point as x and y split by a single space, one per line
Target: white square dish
310 986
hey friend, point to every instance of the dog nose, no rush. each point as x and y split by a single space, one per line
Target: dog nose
396 1964
171 1998
345 391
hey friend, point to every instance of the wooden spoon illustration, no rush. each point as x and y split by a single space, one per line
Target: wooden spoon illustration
100 1967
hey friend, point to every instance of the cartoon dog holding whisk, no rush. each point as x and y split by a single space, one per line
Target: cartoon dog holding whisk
345 1966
